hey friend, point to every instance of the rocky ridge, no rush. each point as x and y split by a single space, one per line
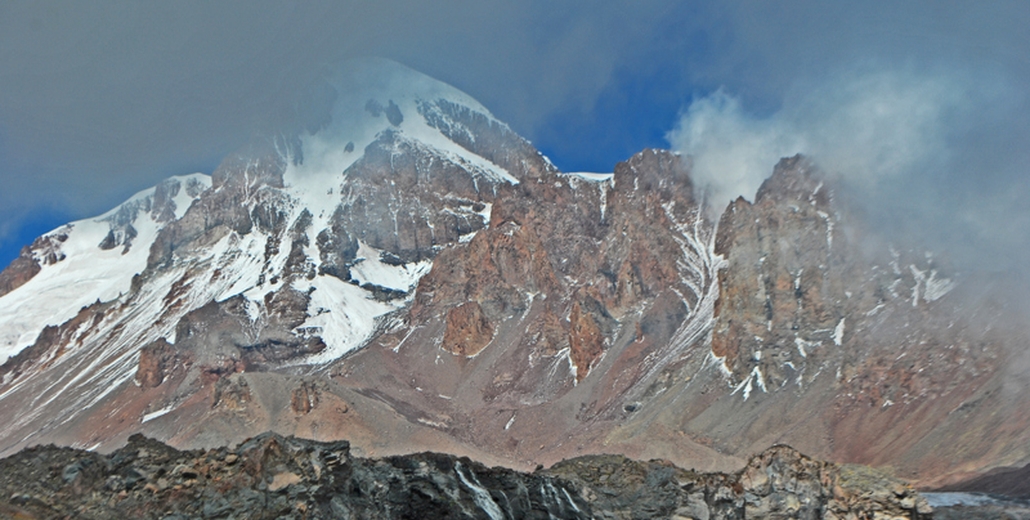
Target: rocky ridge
413 275
271 476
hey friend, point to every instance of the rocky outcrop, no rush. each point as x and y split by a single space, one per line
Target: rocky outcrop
271 477
155 362
45 250
782 294
305 397
19 271
284 477
777 483
468 331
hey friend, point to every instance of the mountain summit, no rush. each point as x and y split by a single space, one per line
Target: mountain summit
410 274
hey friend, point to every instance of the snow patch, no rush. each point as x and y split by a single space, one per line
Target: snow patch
154 415
829 228
838 333
369 269
754 378
593 177
196 183
804 346
343 315
480 495
934 288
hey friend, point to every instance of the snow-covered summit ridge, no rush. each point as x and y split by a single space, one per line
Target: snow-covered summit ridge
373 96
90 260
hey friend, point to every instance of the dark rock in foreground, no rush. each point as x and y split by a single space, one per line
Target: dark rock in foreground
1010 482
284 477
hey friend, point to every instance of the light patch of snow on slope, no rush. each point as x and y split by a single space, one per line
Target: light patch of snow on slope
241 259
369 269
934 288
479 494
829 228
187 183
838 333
754 378
154 415
804 346
488 208
593 177
342 314
87 274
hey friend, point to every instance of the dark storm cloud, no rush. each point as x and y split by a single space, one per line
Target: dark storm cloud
98 101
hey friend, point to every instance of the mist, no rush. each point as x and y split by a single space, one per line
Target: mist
100 100
898 143
923 112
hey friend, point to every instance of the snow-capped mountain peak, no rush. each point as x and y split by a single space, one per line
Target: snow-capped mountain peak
412 269
91 260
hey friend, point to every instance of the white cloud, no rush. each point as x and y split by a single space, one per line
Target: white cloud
866 128
732 152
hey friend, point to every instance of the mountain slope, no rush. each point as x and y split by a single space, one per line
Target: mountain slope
411 274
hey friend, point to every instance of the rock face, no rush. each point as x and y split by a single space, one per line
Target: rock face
413 275
283 477
1010 482
777 483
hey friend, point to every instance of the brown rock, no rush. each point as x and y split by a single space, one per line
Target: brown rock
156 360
282 480
585 340
231 393
20 270
468 330
305 398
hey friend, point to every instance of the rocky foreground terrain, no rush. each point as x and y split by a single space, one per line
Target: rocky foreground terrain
271 476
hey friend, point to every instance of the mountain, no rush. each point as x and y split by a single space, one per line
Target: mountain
410 274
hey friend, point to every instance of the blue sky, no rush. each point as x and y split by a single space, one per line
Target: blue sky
921 107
